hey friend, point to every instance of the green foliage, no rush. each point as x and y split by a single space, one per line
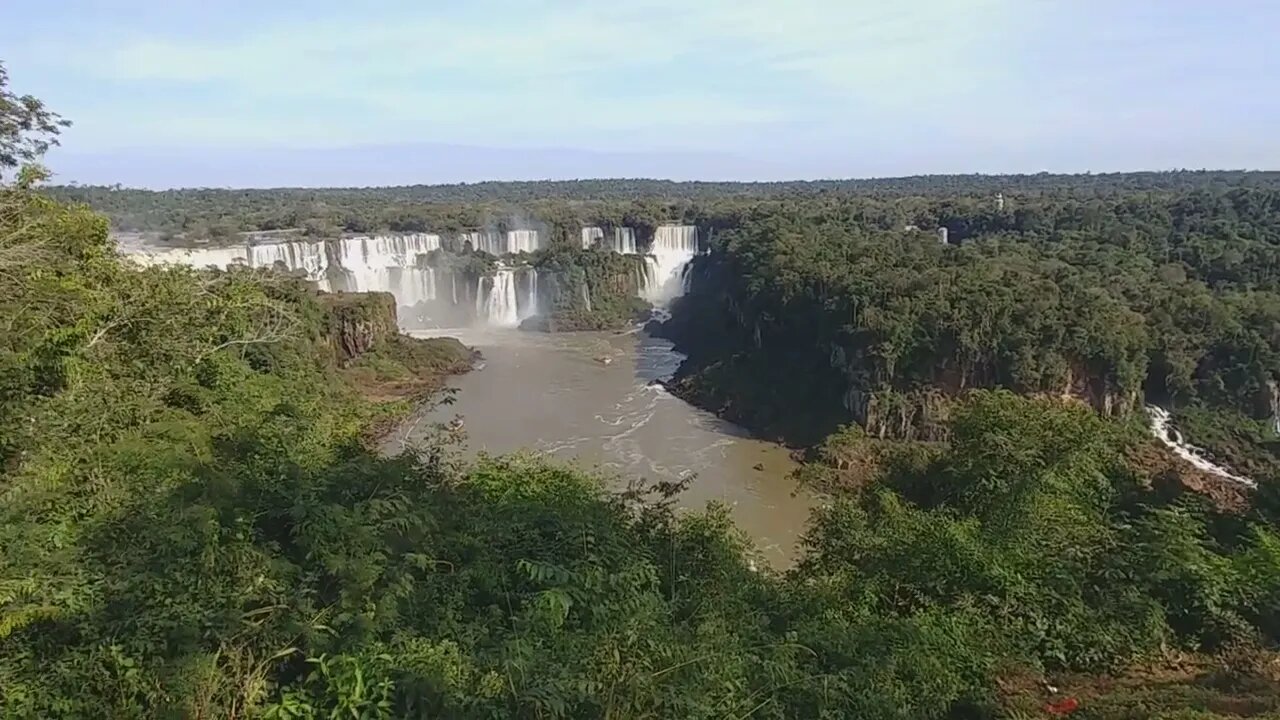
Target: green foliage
190 525
588 289
815 313
27 128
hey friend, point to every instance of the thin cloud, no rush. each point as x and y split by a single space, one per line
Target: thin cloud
846 86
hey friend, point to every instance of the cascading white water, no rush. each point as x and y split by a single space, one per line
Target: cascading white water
483 242
590 235
307 256
622 241
390 263
310 257
494 243
522 241
673 247
586 296
385 263
496 299
531 295
221 257
1163 430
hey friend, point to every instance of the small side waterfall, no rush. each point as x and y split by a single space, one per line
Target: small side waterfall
1163 430
531 294
496 299
622 241
590 236
586 296
522 241
673 247
495 243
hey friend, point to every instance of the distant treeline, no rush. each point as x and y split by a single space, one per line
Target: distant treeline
212 212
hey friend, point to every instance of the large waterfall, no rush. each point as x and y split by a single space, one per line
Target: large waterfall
496 299
397 263
365 263
389 263
673 247
221 257
309 257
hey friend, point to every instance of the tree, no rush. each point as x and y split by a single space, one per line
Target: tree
27 128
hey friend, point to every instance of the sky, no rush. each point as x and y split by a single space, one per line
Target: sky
261 93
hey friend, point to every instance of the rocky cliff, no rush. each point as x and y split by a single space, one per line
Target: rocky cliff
358 322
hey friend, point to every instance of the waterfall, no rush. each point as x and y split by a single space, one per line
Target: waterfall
586 296
590 235
531 297
673 247
390 263
220 257
1164 431
497 307
622 242
480 241
522 241
309 257
494 243
377 263
453 277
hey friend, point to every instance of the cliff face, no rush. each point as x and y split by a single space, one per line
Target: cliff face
797 368
358 322
588 290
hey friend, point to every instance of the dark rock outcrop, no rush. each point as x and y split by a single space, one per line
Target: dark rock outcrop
357 322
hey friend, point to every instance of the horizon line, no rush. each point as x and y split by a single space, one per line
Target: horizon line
119 187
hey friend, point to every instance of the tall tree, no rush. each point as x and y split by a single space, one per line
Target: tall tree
27 128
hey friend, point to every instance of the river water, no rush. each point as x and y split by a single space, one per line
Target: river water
552 394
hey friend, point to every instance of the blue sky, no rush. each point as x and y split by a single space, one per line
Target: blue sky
230 92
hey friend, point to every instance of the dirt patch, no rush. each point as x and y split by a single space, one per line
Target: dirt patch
1237 684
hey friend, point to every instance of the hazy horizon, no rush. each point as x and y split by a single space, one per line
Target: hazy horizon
62 182
321 94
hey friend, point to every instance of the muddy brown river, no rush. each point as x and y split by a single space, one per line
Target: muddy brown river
554 394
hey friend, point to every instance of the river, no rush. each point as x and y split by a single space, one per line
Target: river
552 394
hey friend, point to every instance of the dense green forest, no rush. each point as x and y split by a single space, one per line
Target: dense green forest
635 203
194 523
809 315
588 289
